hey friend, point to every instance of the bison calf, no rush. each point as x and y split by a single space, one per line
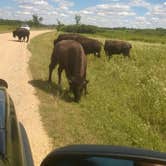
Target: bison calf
70 56
117 47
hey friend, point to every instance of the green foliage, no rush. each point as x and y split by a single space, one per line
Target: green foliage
8 25
146 35
77 19
36 20
126 101
10 22
80 29
59 26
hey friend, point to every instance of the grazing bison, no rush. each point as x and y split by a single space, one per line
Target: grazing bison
117 47
21 33
89 45
70 56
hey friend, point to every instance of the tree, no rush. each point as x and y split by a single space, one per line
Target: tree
40 19
36 20
59 25
77 19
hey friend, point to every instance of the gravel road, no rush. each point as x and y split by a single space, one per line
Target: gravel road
14 57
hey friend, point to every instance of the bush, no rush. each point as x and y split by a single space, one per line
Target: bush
80 29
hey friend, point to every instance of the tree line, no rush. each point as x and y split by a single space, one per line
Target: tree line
35 21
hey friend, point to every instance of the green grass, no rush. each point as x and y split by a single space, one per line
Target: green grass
6 28
152 36
126 101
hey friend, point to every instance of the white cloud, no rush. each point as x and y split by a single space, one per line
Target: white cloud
64 3
112 13
141 3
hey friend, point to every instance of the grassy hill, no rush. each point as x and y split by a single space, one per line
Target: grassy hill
126 101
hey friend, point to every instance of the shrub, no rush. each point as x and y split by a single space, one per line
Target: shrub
80 29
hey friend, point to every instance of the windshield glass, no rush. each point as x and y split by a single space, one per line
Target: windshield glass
102 161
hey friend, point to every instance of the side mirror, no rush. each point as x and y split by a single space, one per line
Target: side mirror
102 155
3 83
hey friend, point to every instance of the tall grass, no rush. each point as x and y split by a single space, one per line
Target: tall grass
125 104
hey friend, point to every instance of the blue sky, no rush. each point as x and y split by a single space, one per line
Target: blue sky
107 13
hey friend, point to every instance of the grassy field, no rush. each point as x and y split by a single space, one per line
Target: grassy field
151 36
126 101
6 28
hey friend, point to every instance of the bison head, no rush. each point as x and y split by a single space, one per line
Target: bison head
14 33
77 87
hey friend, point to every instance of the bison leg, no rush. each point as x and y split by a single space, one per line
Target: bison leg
109 56
85 87
19 38
51 68
126 55
126 52
27 38
85 90
59 75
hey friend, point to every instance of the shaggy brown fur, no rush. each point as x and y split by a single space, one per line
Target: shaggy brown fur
70 56
117 47
90 45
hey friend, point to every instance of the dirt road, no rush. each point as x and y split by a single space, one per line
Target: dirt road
14 58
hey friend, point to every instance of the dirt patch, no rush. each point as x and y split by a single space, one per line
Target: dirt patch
14 69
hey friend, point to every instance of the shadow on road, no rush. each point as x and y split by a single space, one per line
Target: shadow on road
15 40
52 88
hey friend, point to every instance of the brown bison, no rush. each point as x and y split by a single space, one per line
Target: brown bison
70 56
89 45
21 33
117 47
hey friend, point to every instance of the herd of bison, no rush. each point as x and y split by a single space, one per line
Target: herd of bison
70 52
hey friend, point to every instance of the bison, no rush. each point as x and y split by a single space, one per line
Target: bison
21 33
89 45
117 47
70 56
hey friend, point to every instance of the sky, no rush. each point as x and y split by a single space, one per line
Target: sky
103 13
